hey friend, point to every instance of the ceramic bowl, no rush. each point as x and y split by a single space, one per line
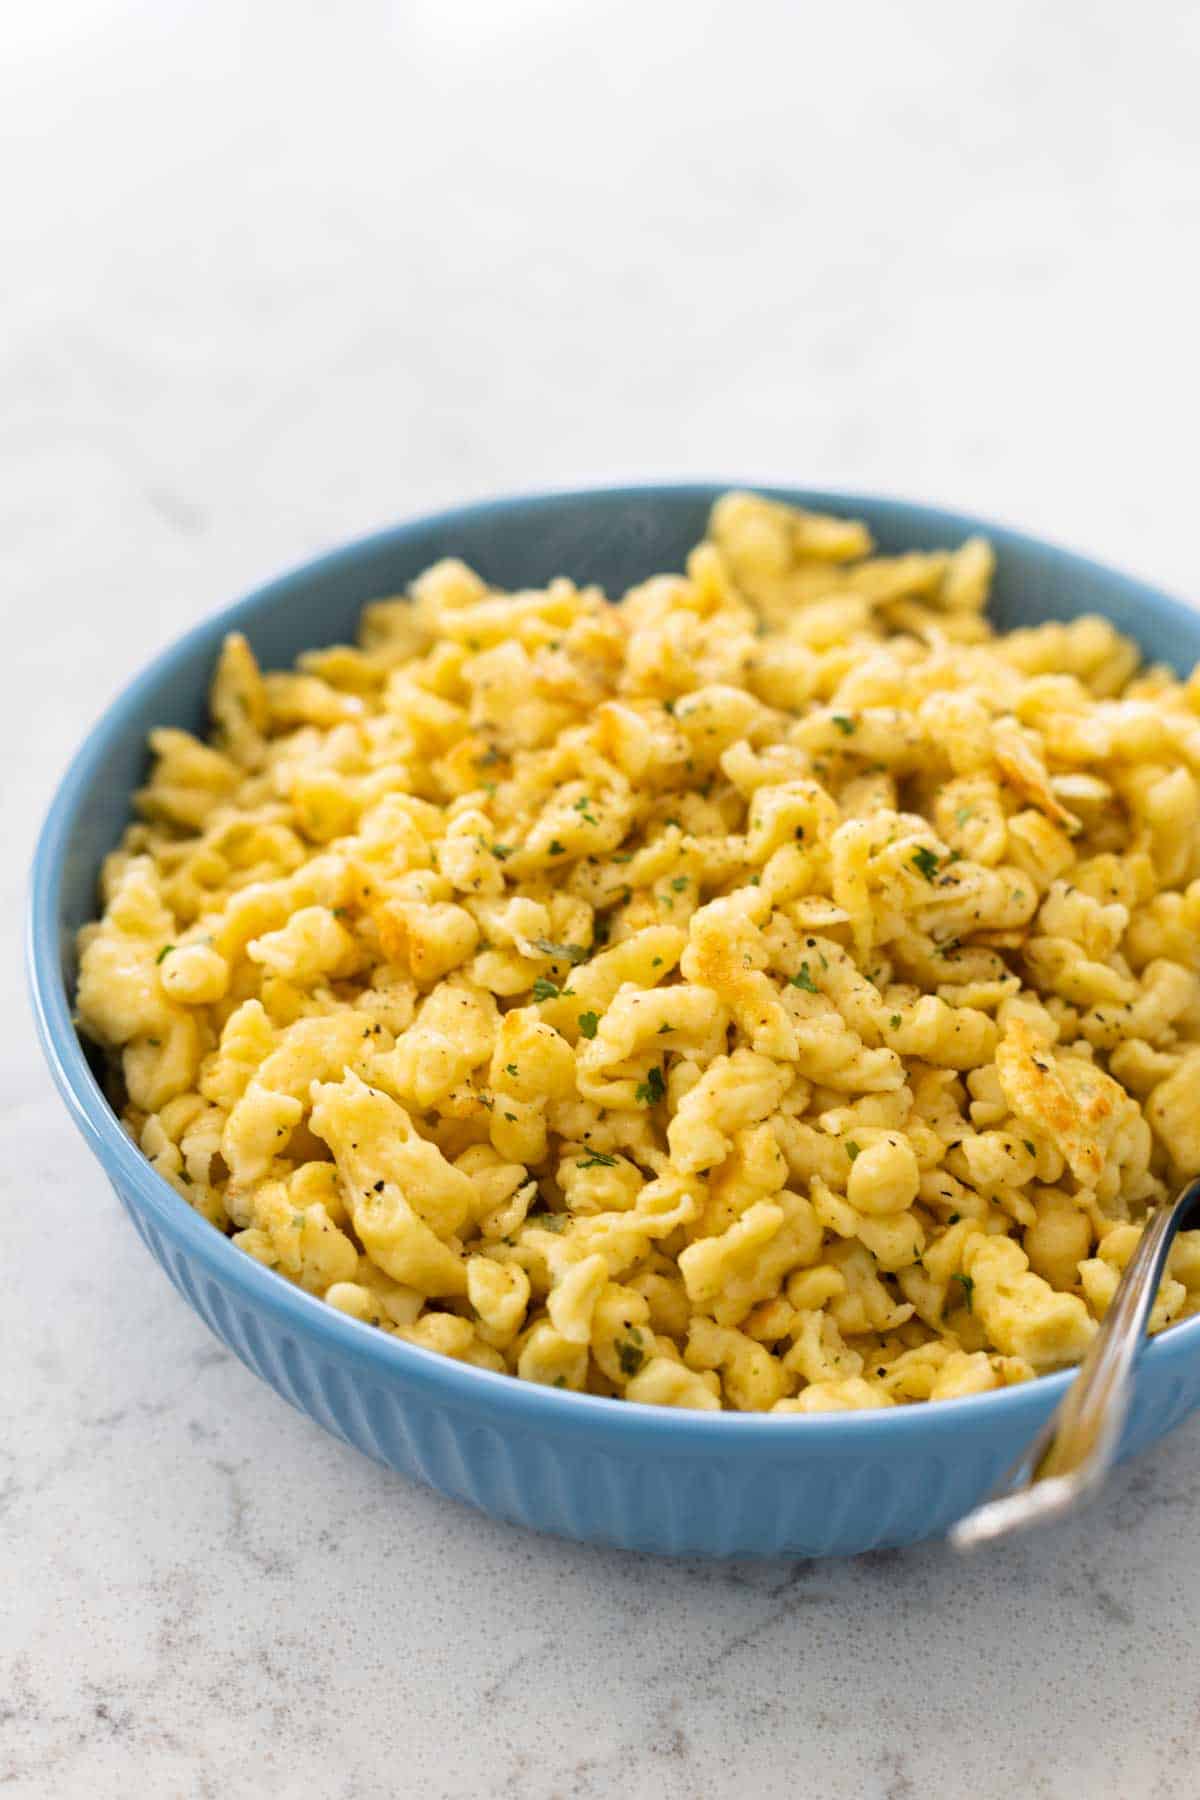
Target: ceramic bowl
647 1478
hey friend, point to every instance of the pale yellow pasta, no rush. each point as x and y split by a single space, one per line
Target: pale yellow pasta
777 992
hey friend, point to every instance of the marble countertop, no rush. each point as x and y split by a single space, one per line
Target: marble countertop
277 275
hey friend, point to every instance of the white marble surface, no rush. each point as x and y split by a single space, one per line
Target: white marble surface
274 275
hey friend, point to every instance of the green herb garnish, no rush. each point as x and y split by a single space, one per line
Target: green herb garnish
968 1287
572 953
804 980
588 1022
648 1092
629 1351
926 861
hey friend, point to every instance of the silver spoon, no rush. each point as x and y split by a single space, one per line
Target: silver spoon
1070 1457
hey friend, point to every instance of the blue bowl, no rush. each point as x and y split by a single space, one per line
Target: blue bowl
605 1471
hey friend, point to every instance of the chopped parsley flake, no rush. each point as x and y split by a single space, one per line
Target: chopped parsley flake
164 953
804 980
926 862
844 725
544 990
679 883
894 1021
572 953
588 1022
967 1283
557 849
501 851
651 1090
629 1351
853 1150
596 1159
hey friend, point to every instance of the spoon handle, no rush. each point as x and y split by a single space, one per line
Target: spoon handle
1075 1449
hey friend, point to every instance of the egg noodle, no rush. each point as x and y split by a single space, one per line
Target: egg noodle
776 992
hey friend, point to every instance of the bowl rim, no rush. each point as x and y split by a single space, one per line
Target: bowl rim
457 1385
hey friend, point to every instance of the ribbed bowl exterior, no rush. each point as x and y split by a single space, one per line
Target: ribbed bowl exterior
811 1494
640 1478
